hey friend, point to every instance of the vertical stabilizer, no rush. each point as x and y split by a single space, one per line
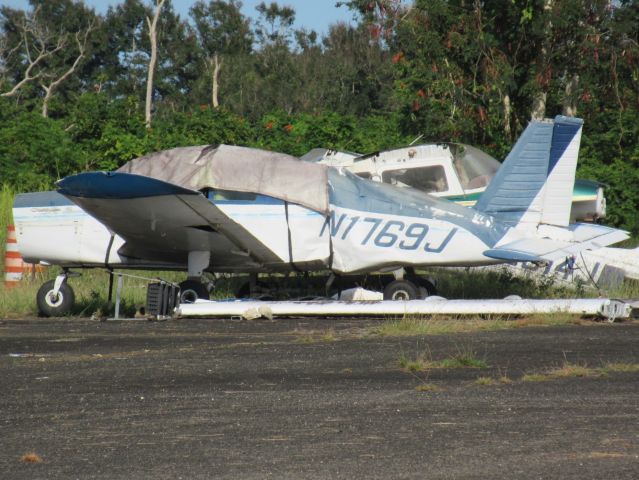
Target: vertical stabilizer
535 183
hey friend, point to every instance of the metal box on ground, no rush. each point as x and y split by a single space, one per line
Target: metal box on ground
161 299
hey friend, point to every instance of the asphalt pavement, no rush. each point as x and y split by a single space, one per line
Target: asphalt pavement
199 399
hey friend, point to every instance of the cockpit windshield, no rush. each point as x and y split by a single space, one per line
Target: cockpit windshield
474 167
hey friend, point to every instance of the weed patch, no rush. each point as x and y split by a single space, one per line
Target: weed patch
306 339
464 358
329 336
485 381
413 365
502 380
459 362
428 387
535 377
441 325
620 367
569 370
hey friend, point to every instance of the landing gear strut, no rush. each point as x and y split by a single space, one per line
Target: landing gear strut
193 289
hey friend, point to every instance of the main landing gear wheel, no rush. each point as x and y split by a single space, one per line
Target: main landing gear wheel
401 290
192 290
260 290
51 304
425 288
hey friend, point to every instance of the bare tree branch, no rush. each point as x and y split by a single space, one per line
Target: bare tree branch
153 37
30 27
214 67
54 84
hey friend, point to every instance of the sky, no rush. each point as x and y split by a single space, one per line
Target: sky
310 14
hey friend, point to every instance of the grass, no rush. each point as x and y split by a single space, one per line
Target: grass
428 387
464 358
567 370
306 339
478 284
315 336
459 362
485 381
475 284
534 377
418 364
90 291
329 335
621 367
573 370
439 325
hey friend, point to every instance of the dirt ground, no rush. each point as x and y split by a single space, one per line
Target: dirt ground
198 399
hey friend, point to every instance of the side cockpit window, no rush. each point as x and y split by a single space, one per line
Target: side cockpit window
426 179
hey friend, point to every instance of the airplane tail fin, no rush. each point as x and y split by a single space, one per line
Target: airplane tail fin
535 183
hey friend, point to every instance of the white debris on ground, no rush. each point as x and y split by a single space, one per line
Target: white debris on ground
358 294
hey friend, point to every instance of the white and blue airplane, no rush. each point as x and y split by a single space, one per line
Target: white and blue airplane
236 209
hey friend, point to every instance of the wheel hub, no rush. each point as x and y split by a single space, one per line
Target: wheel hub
401 295
54 300
189 296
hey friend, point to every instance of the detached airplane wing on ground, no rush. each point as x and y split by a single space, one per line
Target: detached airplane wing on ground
235 209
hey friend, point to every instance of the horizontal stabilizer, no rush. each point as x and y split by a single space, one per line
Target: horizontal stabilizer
584 237
512 255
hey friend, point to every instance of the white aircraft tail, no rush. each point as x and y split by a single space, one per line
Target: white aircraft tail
535 183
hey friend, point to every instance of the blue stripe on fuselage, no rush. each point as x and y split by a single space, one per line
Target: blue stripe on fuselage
41 199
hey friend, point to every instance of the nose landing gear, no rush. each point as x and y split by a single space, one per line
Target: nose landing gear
55 298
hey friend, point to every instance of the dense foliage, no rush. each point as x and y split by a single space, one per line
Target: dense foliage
73 83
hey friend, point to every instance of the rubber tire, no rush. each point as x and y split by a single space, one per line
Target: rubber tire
59 307
425 288
401 290
244 291
192 290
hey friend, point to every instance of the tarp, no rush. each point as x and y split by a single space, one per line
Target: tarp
241 169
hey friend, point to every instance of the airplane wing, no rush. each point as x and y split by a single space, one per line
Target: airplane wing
584 237
156 217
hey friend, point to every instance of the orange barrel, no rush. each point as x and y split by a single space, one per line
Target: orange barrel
13 264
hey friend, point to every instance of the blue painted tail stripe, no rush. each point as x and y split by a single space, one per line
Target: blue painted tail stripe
115 185
565 130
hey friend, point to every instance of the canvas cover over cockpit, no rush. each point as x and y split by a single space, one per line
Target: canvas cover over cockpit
241 169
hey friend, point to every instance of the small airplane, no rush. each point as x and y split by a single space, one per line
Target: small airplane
453 171
235 209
